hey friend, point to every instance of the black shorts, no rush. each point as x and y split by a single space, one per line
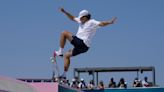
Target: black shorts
79 46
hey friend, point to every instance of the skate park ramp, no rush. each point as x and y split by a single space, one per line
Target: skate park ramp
45 87
12 85
48 85
15 85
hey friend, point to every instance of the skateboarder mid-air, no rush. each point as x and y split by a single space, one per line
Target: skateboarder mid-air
82 40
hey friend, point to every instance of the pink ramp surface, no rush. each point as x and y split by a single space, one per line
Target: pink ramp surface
45 87
13 85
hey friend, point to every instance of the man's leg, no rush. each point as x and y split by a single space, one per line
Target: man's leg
67 57
64 36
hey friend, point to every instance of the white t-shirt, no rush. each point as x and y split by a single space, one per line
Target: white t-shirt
87 30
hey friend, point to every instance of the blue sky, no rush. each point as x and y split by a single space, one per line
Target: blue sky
30 31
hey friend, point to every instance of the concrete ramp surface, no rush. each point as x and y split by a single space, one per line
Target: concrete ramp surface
13 85
45 87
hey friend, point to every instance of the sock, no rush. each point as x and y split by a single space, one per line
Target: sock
60 50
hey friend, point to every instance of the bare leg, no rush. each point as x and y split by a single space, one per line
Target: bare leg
67 57
65 35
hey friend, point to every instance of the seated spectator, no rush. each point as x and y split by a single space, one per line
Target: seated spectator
101 85
145 82
74 83
91 85
122 83
82 84
63 81
67 83
112 83
137 83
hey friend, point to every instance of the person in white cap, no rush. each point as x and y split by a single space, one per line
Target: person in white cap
82 40
82 84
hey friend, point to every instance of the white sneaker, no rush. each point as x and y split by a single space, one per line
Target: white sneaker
58 53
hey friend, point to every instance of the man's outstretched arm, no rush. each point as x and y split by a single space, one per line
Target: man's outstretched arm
105 23
70 16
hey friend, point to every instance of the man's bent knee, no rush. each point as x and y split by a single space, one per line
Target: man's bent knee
67 34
